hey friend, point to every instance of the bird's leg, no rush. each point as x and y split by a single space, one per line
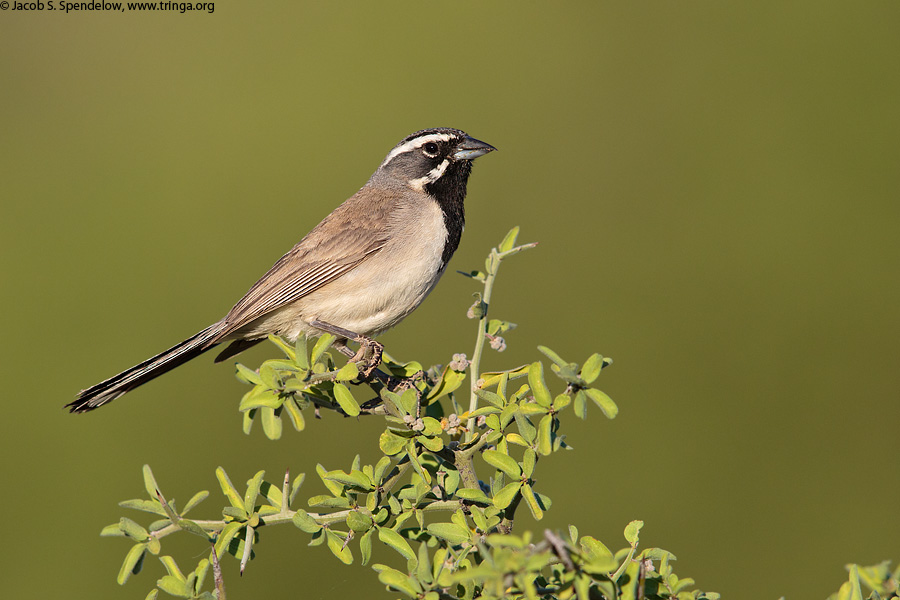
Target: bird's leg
370 368
367 346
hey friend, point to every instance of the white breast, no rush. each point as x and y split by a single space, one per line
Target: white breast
384 288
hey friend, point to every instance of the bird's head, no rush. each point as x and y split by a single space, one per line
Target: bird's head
437 161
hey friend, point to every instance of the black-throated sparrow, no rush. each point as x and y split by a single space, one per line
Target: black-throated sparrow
359 272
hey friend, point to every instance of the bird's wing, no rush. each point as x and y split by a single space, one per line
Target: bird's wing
337 245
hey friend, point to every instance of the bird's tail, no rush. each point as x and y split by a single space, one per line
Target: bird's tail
110 389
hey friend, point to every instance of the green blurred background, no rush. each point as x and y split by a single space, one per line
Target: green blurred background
715 191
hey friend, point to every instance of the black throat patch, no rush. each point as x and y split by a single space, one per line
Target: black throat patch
450 193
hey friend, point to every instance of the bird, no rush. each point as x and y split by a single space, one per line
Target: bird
359 272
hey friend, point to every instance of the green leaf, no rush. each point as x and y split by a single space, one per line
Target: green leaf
656 554
538 386
295 414
532 408
354 478
271 423
358 522
434 444
134 560
346 400
396 580
632 531
173 586
561 402
532 502
583 586
449 382
334 487
509 240
194 501
450 532
605 403
416 463
599 557
322 344
113 531
568 373
494 378
591 369
338 548
491 398
201 570
483 411
295 486
580 404
365 546
133 530
150 506
247 375
150 482
553 356
476 275
855 589
473 495
528 462
397 542
248 419
224 538
326 501
260 398
496 326
172 567
431 426
515 438
505 496
304 522
348 372
526 427
381 467
228 489
253 491
290 352
503 462
493 422
192 527
391 444
408 401
300 352
544 437
423 570
269 375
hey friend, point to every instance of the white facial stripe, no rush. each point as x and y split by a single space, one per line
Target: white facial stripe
415 143
430 177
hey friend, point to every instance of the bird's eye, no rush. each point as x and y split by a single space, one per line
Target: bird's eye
430 148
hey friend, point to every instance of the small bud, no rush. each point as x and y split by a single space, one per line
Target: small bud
497 343
477 310
459 363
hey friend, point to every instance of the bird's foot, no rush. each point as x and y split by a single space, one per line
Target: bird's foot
368 357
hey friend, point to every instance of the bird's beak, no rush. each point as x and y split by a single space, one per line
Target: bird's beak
471 148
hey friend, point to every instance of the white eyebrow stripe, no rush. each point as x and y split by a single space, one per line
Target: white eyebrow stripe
417 142
430 177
